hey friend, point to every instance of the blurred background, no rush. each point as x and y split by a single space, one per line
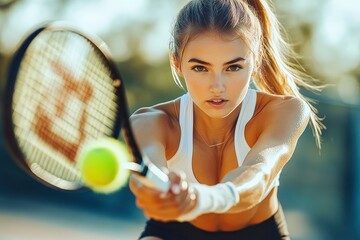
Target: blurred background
319 191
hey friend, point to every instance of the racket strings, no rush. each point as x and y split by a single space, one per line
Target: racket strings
38 157
61 101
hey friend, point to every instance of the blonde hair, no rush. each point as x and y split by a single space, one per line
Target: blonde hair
255 23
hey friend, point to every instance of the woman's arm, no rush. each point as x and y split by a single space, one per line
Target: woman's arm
285 122
152 128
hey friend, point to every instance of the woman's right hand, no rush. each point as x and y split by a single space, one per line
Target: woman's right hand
161 206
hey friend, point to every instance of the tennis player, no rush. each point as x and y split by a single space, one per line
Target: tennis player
224 143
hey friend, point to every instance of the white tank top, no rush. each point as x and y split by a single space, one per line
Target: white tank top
182 160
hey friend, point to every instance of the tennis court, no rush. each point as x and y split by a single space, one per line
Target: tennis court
25 220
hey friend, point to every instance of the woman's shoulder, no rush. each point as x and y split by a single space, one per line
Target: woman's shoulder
276 108
162 113
269 103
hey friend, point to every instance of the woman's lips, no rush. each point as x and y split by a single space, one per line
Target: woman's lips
218 103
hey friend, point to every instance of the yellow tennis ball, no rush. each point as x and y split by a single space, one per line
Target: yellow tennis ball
102 164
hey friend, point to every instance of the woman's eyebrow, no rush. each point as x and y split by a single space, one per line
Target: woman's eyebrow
235 60
195 60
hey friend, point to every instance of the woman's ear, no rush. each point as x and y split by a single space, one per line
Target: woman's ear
175 62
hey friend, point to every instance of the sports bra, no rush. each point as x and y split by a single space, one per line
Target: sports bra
182 159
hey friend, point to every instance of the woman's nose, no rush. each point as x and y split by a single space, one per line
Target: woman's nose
217 84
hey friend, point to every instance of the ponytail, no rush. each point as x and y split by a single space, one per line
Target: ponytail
275 74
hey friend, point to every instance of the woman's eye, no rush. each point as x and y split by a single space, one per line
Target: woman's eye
234 68
199 69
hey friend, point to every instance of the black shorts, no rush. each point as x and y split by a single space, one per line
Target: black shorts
273 228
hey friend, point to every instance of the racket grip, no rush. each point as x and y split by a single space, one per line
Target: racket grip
156 178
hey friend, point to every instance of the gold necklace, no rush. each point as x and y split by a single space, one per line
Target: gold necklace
212 145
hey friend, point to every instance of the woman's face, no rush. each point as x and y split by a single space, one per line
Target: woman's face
217 71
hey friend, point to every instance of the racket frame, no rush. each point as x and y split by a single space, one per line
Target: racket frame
9 89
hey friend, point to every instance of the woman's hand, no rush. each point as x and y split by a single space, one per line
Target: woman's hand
163 206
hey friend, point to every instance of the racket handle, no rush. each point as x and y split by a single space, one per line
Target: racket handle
155 178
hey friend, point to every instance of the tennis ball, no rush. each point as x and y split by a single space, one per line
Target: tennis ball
102 164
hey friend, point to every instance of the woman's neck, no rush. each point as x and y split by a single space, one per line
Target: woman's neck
214 131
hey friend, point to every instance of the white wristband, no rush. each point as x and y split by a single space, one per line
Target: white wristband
212 199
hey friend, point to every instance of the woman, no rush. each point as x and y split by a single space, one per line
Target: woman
223 144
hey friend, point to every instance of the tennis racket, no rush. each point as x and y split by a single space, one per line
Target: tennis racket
62 92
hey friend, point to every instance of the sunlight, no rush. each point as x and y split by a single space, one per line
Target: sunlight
336 39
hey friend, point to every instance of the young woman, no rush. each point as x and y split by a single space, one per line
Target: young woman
222 143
